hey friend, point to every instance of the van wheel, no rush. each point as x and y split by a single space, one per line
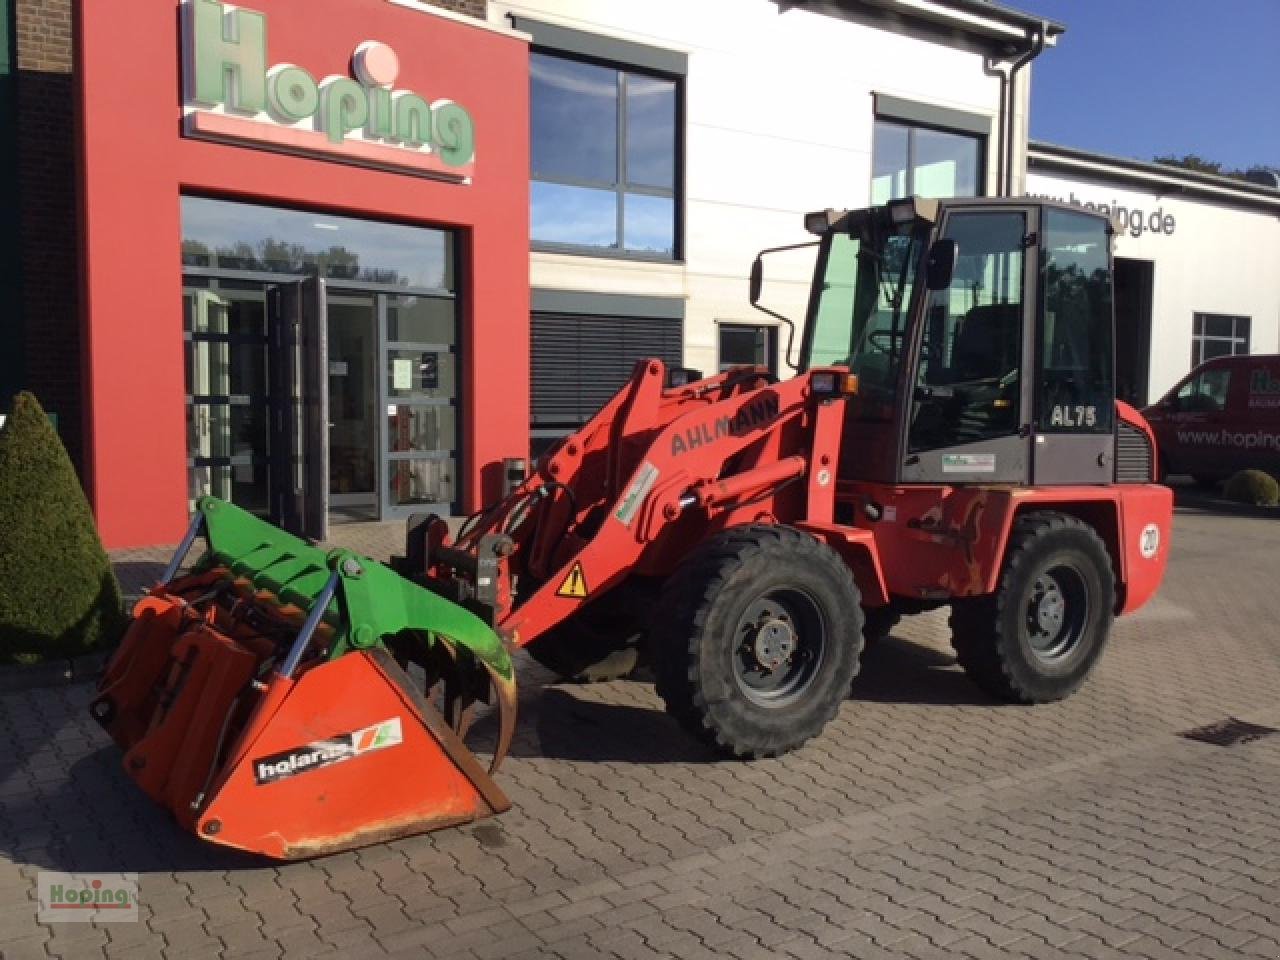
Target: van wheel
758 640
1040 634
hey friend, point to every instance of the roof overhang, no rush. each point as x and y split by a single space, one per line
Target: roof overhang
989 23
1157 177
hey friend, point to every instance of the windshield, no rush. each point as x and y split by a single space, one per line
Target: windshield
860 318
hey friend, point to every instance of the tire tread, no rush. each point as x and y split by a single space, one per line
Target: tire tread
981 645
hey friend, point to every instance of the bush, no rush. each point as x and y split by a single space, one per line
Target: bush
1253 487
58 594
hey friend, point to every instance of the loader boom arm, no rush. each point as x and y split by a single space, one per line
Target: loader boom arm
646 479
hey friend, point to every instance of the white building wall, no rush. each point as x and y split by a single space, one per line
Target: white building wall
779 117
1217 259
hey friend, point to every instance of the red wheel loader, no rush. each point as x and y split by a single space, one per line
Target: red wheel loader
951 438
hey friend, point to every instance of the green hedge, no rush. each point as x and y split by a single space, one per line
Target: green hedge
1253 487
58 594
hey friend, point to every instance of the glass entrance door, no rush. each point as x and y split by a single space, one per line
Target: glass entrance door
353 405
420 380
307 404
228 454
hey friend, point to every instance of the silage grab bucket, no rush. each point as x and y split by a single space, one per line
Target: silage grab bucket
291 702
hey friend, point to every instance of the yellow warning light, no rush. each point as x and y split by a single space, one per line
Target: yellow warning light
850 386
575 584
1002 403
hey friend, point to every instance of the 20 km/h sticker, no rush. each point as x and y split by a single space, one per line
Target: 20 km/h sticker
575 584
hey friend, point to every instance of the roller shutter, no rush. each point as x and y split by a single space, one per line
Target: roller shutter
579 362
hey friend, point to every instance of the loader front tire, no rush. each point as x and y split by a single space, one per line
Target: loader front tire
1039 635
582 653
602 641
757 640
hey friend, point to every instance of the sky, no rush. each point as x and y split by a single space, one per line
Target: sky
1141 78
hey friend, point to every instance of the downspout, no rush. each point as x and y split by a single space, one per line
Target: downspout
1008 74
13 321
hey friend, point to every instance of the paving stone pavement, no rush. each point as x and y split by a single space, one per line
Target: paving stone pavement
927 822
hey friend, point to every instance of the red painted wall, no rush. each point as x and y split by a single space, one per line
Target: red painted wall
134 164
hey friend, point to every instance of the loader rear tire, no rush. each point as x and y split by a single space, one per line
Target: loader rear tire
1039 635
757 639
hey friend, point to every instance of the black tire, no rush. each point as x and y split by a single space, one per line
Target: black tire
1039 635
878 623
601 642
757 639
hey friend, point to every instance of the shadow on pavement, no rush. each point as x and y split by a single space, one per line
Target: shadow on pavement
92 818
584 728
575 723
898 670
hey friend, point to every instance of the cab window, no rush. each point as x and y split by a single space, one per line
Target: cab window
1076 393
1205 393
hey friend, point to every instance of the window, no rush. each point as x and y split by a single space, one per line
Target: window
1076 367
584 348
227 235
748 345
1217 335
1206 393
604 157
968 383
908 159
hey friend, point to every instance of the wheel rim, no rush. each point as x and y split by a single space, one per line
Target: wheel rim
780 645
1056 614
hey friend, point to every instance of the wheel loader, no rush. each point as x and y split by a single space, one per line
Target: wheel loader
951 438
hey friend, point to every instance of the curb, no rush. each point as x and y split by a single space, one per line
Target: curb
15 678
1207 503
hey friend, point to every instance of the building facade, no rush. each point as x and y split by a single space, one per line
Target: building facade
341 260
671 142
1195 261
297 248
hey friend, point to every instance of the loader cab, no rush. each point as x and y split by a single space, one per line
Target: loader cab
981 333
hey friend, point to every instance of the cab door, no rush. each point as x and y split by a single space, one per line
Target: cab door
1074 408
969 419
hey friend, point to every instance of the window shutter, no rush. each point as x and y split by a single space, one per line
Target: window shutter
580 362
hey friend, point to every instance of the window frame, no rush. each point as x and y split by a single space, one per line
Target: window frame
912 116
1200 322
626 58
772 341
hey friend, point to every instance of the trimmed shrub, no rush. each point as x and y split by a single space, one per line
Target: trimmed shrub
1253 487
58 594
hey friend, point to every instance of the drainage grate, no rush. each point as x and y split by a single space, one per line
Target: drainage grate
1229 732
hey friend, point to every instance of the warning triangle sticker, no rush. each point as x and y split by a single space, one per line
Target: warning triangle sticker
575 584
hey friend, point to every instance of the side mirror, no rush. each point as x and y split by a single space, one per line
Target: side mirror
757 281
941 264
1169 403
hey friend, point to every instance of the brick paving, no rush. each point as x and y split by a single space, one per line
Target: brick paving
927 822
